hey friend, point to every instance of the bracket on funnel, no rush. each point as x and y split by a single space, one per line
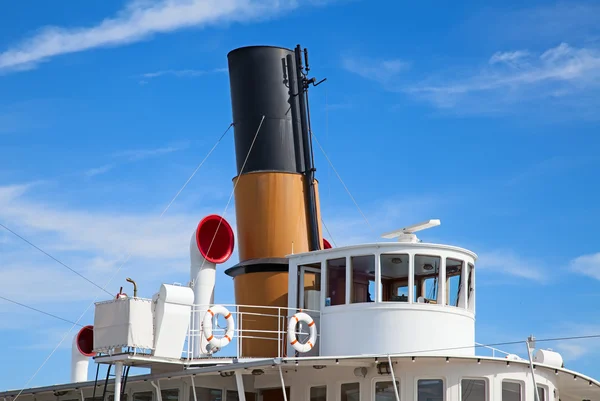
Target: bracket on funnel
407 234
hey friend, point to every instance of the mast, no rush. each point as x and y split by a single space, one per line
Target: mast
298 84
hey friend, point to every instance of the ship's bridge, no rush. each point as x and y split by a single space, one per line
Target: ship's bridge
388 298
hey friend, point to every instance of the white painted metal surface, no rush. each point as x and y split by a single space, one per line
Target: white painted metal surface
123 322
387 326
395 328
80 358
407 234
548 357
203 277
118 380
79 364
172 313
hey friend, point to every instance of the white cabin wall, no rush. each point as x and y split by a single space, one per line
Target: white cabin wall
407 373
300 379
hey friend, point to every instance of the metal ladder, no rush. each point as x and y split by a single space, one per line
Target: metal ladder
106 380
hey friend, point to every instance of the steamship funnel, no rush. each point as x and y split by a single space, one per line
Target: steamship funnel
275 216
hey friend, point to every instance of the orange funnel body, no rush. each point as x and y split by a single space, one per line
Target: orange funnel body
275 216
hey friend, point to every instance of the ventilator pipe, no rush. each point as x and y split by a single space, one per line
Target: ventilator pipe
211 243
129 280
81 352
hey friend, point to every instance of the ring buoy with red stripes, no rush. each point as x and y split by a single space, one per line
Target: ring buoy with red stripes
291 332
207 327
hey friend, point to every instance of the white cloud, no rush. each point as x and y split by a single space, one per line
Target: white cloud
92 242
132 156
515 76
380 70
508 57
588 265
98 170
10 192
506 262
144 235
140 154
572 351
139 20
183 73
29 283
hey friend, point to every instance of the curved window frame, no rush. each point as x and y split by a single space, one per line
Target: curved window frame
461 297
410 279
386 380
381 294
440 290
442 379
486 380
522 388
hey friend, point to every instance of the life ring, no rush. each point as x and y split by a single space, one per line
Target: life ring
291 332
207 328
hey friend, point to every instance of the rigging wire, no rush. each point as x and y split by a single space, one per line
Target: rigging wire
193 282
114 275
342 181
197 168
40 311
52 257
328 232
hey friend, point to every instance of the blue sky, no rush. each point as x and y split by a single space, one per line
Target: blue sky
484 116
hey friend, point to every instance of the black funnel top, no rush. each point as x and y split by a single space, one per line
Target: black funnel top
258 81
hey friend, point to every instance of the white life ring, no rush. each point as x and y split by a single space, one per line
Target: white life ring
291 332
207 328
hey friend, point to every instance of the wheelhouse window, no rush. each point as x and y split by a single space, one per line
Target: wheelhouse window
318 393
427 277
171 394
430 390
471 288
384 391
454 282
233 395
336 282
208 394
309 286
511 391
363 279
394 277
141 396
473 390
350 392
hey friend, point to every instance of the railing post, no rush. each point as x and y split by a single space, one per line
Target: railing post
241 335
529 341
194 388
239 381
393 378
282 384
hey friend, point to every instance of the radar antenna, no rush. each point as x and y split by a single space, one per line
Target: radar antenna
407 234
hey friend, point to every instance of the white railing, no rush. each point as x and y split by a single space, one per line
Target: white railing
264 326
494 350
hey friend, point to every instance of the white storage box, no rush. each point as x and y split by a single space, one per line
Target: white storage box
123 322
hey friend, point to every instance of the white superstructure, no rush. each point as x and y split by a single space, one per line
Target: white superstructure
389 321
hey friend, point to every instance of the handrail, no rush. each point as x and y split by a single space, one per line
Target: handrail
241 313
494 350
